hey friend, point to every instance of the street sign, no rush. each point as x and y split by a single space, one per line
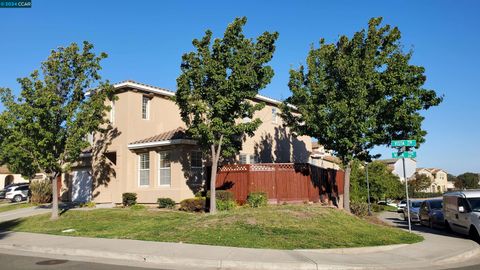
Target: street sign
410 154
400 143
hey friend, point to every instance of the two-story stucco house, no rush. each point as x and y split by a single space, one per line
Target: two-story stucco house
438 177
148 152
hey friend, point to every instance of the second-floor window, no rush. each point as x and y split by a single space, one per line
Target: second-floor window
112 112
274 115
145 107
143 169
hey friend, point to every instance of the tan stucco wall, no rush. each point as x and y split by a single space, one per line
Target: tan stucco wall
273 143
164 116
17 178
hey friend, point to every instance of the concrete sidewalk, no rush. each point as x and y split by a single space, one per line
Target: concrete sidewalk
23 212
435 252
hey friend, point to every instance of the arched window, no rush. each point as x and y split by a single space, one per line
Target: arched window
8 180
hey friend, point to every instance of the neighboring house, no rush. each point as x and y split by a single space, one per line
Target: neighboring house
437 176
323 158
396 166
450 185
149 153
7 177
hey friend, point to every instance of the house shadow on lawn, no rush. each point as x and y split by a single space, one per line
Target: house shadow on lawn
7 226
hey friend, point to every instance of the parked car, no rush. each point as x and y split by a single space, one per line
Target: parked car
2 194
402 204
17 193
431 213
462 212
414 211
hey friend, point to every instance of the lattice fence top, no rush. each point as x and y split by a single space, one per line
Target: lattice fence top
234 168
262 167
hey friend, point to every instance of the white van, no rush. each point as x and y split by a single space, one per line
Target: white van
461 210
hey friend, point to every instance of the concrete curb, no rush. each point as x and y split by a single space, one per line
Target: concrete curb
462 256
234 264
360 250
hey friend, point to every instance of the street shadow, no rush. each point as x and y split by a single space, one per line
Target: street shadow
398 222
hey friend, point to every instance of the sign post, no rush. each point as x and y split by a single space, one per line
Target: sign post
402 146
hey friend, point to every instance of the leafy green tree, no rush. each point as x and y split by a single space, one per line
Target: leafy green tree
419 182
383 184
215 86
451 178
46 127
359 93
467 180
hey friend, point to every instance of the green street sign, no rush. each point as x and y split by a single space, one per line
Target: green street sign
410 154
400 143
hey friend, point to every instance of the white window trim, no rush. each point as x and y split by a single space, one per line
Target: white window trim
160 168
139 170
147 110
240 158
192 168
112 112
201 159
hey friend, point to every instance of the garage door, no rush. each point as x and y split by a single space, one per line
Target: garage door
81 186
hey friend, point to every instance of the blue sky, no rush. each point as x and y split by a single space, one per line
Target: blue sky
145 41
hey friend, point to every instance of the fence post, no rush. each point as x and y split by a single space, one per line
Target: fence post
249 179
275 175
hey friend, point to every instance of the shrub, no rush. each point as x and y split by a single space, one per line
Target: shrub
222 195
359 209
41 191
193 205
87 204
257 199
129 199
225 205
426 195
138 207
378 208
165 203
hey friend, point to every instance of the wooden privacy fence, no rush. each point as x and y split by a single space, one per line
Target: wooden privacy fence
283 182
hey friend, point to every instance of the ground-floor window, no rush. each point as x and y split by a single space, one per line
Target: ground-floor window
164 169
196 165
242 159
143 169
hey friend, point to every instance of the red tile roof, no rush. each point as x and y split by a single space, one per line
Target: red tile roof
176 134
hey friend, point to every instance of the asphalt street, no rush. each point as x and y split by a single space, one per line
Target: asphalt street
15 262
396 219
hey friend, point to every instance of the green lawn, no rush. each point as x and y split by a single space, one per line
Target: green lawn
10 206
278 227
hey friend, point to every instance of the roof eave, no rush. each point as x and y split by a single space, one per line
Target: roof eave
161 143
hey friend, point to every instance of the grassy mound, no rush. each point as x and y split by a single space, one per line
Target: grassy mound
278 227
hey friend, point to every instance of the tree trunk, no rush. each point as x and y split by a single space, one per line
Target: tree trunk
54 197
213 176
346 188
213 181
